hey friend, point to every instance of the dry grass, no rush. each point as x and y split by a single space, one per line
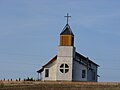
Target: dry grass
37 85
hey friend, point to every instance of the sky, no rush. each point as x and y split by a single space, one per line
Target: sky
29 34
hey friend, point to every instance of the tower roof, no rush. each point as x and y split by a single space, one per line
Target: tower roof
67 30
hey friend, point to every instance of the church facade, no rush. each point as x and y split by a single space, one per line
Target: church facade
68 64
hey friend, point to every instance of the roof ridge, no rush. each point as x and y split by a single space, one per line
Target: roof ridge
67 30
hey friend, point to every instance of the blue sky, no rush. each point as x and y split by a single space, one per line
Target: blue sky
29 34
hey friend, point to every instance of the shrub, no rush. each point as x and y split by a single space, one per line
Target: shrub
19 79
29 79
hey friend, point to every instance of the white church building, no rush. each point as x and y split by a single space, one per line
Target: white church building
68 64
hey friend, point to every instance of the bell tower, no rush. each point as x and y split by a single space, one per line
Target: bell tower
66 54
66 37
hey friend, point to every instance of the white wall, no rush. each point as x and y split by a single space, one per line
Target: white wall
91 74
52 72
77 71
65 56
64 76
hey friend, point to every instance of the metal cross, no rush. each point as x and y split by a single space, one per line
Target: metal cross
67 17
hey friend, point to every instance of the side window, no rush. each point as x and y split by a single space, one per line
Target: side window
94 75
83 73
46 72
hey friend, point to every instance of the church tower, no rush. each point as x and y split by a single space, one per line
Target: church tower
66 54
67 37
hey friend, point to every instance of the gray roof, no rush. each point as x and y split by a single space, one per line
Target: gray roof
87 60
67 31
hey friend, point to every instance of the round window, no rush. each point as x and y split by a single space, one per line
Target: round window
64 68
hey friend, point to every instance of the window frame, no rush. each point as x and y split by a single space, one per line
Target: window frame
83 73
65 68
94 75
46 73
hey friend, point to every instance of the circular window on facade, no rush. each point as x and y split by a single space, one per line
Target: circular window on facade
64 68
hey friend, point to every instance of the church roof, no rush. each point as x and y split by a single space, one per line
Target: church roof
51 61
86 59
67 30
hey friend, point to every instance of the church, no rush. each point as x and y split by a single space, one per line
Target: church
68 64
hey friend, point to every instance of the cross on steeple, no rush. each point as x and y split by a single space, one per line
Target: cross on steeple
67 17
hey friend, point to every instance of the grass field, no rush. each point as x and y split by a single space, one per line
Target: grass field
37 85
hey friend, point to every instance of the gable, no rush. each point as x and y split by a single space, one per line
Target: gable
50 62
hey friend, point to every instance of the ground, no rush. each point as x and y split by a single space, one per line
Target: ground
38 85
